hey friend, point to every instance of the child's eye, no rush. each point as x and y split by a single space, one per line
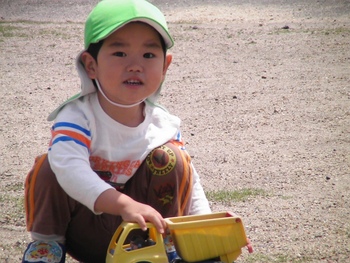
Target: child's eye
120 54
148 55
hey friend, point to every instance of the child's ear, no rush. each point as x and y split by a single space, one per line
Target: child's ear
167 62
89 64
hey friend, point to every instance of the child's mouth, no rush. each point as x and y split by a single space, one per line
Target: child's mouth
133 82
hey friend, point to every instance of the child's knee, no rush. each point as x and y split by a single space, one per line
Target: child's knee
168 159
171 177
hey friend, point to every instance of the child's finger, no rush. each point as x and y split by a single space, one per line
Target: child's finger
142 223
159 223
156 219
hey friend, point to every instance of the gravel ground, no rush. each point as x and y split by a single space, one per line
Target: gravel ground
262 88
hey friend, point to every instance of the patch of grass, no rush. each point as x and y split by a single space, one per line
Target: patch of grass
312 31
17 203
227 196
7 30
16 187
281 31
57 33
252 42
345 231
279 258
286 197
33 22
14 212
18 29
258 257
283 258
337 31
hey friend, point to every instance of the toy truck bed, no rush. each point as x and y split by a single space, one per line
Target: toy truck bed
208 236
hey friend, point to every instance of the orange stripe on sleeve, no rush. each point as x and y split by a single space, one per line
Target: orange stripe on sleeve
74 135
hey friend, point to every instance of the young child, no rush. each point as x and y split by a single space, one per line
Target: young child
114 154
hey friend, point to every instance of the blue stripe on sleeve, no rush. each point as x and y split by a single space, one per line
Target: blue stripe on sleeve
71 125
178 136
66 139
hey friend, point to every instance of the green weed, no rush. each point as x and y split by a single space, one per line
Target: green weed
258 257
279 258
227 196
7 30
57 33
15 213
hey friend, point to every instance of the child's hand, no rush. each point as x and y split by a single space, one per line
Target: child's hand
140 213
116 203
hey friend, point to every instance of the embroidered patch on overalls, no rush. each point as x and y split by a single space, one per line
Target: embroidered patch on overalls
165 194
44 252
161 160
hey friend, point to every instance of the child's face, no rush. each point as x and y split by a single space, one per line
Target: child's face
130 64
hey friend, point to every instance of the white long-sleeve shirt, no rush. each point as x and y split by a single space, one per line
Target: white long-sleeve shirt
85 138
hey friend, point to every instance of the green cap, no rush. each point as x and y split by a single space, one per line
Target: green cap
110 15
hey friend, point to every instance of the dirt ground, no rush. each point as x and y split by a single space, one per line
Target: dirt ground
262 88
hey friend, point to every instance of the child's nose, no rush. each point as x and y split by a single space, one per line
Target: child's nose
135 66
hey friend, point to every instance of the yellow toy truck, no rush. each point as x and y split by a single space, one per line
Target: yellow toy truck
198 238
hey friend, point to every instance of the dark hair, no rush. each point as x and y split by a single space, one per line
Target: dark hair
94 48
162 42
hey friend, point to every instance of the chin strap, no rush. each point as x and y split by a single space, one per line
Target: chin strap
114 103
